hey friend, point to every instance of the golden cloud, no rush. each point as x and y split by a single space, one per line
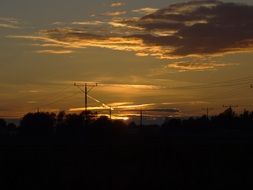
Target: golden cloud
115 13
117 4
194 66
55 51
145 10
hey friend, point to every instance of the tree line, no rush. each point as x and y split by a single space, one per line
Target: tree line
50 124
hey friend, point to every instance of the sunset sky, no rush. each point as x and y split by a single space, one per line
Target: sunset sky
150 54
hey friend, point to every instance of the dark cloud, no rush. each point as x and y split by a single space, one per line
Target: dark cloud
63 34
201 27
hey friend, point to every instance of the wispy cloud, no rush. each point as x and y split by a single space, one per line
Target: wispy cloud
96 22
115 13
54 51
117 4
119 107
78 39
185 103
9 23
7 26
196 66
145 10
129 89
136 106
34 91
116 104
133 86
92 108
126 111
32 102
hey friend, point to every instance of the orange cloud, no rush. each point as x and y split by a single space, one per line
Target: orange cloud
194 66
55 51
115 13
96 22
145 10
117 4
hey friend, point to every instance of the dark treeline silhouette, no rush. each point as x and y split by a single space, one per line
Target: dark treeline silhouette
68 151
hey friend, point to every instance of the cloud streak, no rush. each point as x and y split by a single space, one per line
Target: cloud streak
196 66
117 4
115 13
9 23
145 10
54 51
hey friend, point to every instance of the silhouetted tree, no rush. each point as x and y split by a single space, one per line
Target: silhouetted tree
74 121
132 125
172 122
2 123
103 122
60 117
228 114
37 124
2 127
88 116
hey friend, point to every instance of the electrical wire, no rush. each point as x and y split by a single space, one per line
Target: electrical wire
59 99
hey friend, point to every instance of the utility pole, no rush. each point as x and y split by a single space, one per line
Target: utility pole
110 113
141 118
86 97
87 88
207 111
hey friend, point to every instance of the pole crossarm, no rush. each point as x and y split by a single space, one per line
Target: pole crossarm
84 84
230 106
88 86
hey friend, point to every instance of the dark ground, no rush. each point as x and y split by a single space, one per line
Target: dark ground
147 158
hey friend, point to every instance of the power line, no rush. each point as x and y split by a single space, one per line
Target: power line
103 104
98 101
59 99
55 94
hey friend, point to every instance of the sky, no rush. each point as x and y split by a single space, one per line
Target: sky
177 55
